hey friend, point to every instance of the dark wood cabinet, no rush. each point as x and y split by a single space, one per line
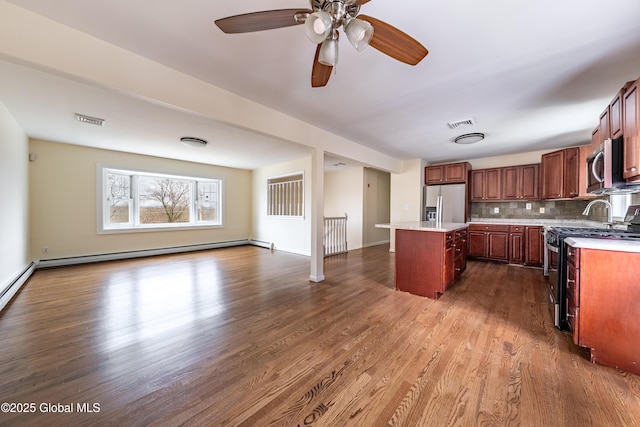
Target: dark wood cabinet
516 244
603 127
521 182
602 288
448 271
616 114
631 130
450 173
426 261
534 246
560 173
488 242
460 245
486 185
571 171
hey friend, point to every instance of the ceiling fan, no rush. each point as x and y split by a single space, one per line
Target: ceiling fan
322 22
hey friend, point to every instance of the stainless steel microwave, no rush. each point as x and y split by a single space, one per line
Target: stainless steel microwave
605 168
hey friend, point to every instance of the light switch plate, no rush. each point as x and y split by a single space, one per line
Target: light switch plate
541 210
496 210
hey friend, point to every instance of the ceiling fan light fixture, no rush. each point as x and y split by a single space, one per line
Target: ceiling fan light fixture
359 33
469 138
318 26
329 52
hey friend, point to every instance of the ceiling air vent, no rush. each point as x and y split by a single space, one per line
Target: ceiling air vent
88 119
461 123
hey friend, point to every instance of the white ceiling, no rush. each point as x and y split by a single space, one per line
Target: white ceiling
533 75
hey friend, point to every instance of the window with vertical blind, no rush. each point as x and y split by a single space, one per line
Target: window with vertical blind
285 196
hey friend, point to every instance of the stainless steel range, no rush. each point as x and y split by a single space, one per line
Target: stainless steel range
556 262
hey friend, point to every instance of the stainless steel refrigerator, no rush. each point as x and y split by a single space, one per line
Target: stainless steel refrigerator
445 203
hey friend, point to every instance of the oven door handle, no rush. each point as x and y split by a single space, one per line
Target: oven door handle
593 167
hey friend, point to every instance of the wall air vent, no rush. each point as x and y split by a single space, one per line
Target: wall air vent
461 123
90 120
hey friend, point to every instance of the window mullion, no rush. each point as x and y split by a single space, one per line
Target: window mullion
135 198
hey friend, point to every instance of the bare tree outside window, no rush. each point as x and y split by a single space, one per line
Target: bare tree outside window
119 198
164 200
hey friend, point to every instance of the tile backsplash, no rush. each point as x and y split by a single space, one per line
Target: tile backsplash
553 209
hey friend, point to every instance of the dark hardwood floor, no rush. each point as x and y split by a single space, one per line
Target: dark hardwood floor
240 336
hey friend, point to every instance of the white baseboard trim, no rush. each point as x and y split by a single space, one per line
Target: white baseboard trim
381 242
14 285
59 262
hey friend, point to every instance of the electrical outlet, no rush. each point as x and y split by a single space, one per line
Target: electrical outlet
496 210
528 206
45 250
541 210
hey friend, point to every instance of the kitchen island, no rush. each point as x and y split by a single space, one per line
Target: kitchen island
602 298
429 255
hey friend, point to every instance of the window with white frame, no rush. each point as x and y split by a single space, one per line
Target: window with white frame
142 200
285 196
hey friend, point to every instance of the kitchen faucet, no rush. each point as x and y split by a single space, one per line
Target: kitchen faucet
593 202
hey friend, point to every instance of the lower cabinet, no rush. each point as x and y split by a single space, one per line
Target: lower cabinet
534 246
602 294
460 245
515 244
488 242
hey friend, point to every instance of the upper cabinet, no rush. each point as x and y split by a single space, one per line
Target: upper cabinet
521 182
486 184
508 183
560 173
631 130
616 114
450 173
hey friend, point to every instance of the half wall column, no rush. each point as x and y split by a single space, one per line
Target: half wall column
317 215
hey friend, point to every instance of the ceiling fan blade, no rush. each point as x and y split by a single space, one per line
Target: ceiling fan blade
320 73
259 21
393 42
361 2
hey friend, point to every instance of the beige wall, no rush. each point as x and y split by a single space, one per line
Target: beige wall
287 234
406 192
63 205
343 193
26 37
377 201
14 196
508 160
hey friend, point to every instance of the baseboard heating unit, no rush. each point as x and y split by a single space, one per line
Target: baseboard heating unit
14 285
59 262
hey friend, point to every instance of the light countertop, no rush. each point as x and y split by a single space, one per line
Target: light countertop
539 222
604 244
442 227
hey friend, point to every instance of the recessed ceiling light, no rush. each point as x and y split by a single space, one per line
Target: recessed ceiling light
90 120
190 141
469 138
